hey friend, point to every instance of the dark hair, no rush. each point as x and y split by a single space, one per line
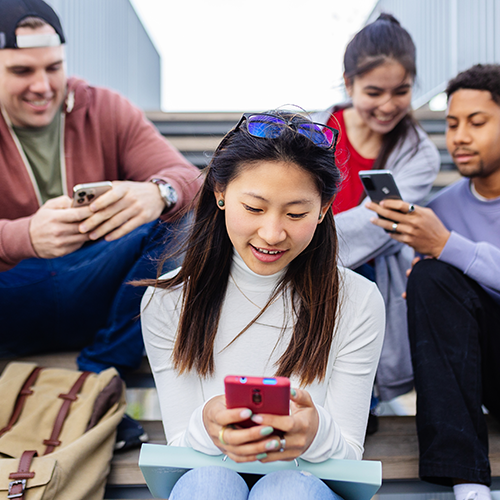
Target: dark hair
478 77
375 44
312 277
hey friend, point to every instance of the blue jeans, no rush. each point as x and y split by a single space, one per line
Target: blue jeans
83 301
219 483
453 327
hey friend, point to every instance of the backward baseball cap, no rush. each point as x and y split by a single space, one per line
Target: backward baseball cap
12 12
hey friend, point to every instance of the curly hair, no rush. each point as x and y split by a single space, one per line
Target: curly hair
478 77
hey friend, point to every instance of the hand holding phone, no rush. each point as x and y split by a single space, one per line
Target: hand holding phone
259 394
380 185
85 194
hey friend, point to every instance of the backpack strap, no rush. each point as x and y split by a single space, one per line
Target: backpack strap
17 487
53 441
21 398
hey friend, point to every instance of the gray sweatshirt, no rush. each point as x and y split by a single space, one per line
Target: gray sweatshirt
415 169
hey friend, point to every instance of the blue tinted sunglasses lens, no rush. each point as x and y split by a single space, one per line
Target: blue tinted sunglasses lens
267 127
322 138
270 127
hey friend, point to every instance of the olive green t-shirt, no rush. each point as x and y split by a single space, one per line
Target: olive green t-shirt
42 148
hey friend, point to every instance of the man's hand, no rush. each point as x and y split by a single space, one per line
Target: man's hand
122 209
54 228
421 229
408 271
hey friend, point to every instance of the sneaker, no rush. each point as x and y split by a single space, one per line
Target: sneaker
129 434
472 495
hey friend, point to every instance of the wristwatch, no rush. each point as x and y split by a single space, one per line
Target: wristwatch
167 193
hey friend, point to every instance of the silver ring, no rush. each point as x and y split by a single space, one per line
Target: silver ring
411 208
283 445
394 227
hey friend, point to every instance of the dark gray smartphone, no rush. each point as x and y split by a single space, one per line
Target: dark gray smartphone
380 185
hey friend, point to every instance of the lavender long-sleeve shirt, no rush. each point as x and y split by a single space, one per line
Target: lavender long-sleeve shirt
474 243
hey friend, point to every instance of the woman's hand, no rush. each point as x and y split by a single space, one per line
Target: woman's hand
241 445
263 441
297 430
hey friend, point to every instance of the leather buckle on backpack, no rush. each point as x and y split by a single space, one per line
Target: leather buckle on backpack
22 483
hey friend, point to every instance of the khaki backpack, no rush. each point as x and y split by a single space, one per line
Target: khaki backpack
57 431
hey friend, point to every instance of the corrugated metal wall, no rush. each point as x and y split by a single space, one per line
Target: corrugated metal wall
107 45
450 35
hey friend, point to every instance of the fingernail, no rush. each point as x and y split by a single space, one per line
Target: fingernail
293 392
266 431
246 413
261 456
257 419
82 228
272 445
372 219
92 236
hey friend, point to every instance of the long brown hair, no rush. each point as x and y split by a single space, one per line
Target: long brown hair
371 47
311 278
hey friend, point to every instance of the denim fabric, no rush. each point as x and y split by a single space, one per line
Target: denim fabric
367 271
453 327
82 300
219 483
210 483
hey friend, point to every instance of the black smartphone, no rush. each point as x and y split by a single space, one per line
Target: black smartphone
380 185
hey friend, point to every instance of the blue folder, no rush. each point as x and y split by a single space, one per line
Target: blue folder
163 465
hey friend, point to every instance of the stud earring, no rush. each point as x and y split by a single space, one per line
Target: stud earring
221 203
320 216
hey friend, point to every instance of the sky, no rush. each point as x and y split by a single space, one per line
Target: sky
251 55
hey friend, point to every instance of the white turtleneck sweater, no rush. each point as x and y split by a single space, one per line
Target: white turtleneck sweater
342 398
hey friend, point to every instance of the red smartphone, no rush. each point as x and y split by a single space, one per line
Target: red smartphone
260 394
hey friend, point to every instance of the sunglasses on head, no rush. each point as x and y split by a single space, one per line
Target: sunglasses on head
267 126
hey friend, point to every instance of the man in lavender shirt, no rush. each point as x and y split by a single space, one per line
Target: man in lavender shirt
453 294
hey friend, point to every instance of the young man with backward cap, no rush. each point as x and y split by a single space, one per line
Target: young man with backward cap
64 270
453 292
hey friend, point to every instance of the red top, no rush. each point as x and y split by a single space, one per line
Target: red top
350 163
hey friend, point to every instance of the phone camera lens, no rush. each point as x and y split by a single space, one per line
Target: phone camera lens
370 186
80 200
82 194
256 396
91 196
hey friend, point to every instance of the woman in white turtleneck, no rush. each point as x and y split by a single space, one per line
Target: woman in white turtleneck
260 294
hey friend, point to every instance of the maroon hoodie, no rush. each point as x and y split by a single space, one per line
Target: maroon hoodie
105 138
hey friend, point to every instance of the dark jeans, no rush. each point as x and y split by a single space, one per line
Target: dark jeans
83 300
455 343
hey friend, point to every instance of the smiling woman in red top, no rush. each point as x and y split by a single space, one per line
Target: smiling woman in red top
377 131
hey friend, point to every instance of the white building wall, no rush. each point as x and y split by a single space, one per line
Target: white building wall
450 36
107 45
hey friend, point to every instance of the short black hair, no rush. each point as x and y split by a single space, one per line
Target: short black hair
478 77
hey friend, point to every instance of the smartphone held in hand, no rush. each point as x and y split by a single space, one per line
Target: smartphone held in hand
85 194
259 394
379 185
